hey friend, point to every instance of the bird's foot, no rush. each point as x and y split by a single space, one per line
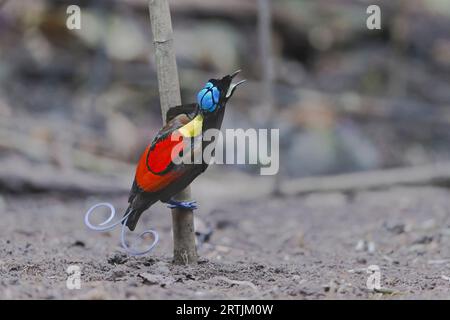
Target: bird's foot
189 205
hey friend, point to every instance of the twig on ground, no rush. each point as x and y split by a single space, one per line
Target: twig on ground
434 174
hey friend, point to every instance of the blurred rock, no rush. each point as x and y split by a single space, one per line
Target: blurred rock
155 279
203 230
122 38
356 150
395 228
210 45
122 135
5 109
311 153
367 246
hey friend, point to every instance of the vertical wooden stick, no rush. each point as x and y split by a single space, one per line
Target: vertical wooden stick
268 69
266 58
184 249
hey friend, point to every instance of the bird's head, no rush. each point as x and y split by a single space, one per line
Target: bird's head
216 93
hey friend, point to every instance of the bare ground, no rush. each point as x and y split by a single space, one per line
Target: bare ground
309 247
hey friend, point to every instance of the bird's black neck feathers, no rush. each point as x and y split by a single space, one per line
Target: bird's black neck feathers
213 120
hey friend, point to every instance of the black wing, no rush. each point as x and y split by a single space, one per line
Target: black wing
190 110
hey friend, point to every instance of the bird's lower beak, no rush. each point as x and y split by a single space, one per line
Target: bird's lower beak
234 85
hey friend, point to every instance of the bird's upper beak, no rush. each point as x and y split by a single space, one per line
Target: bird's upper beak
233 86
234 74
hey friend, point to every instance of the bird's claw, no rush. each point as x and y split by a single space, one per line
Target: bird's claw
189 205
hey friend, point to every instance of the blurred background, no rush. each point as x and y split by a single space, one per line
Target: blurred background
356 109
345 98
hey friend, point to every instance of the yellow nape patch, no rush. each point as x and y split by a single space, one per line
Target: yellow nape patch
193 128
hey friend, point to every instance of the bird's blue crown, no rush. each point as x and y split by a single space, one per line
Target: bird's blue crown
208 97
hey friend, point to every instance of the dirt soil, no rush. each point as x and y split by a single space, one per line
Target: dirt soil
310 247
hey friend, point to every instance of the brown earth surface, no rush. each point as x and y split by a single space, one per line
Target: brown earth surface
316 246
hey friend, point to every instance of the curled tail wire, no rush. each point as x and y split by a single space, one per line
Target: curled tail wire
107 225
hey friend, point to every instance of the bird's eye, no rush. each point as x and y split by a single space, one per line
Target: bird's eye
208 97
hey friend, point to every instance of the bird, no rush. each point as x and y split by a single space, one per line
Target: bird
158 177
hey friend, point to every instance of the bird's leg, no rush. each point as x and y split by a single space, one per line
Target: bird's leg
191 205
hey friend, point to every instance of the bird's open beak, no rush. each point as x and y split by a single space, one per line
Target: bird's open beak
233 86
